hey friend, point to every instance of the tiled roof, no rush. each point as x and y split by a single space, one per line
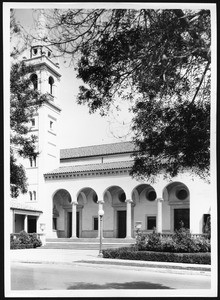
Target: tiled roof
97 150
15 204
92 167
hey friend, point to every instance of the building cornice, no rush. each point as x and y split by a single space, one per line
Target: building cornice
53 105
86 174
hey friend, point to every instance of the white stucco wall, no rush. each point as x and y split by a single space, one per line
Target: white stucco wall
199 200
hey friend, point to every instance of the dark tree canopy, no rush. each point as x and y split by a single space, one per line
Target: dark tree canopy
24 101
157 59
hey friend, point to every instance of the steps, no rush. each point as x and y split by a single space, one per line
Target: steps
86 243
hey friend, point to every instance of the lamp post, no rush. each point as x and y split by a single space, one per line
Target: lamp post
101 214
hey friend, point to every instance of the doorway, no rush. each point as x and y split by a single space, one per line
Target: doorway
121 220
69 233
32 224
181 215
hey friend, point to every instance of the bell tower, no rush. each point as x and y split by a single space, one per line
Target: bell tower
45 123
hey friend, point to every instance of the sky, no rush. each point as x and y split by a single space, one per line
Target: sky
78 127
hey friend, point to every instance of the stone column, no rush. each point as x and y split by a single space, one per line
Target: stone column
74 204
26 223
159 215
128 218
100 203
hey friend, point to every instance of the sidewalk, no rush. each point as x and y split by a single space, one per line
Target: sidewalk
91 257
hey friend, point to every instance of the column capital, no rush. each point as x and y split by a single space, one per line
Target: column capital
100 202
74 202
129 200
160 200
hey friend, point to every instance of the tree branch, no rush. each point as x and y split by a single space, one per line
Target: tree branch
200 83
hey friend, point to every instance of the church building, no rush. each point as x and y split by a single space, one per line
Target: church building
68 187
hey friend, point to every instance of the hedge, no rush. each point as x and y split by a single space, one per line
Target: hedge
132 254
182 241
24 240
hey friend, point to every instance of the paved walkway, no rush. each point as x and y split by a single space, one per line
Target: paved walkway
65 256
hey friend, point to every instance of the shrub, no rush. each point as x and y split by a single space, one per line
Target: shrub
23 240
131 254
24 237
35 241
181 241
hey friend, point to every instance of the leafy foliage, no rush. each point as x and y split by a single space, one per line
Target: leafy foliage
24 240
182 241
24 101
157 59
131 254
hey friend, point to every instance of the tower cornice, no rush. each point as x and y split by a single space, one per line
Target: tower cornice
44 61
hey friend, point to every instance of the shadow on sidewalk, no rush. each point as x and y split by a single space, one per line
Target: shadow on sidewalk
121 285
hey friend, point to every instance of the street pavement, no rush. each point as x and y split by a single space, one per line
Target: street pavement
82 273
90 257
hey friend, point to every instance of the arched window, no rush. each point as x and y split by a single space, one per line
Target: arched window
34 81
30 193
31 161
51 83
34 192
34 161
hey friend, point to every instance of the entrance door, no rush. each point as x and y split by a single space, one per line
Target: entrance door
32 224
121 216
181 215
70 224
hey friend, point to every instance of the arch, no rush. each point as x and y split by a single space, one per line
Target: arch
175 192
51 84
62 196
177 196
34 80
144 191
115 193
88 194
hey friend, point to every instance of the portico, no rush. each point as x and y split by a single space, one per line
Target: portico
125 202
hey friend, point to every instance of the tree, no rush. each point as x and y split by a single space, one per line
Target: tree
24 101
157 59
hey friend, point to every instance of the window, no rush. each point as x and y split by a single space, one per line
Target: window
35 195
33 162
95 223
35 51
34 81
151 195
30 194
151 222
182 194
51 125
51 82
33 122
122 197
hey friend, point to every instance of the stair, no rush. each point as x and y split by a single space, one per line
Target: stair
86 243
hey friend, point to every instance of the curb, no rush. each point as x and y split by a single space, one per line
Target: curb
151 265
